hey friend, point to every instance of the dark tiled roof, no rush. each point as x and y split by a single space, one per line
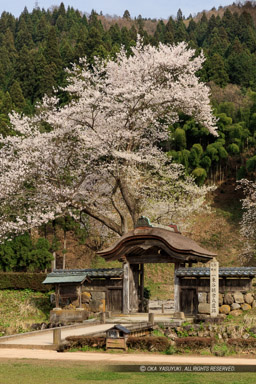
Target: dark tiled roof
172 243
79 275
223 271
120 328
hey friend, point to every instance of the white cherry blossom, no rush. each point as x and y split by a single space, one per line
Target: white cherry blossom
100 154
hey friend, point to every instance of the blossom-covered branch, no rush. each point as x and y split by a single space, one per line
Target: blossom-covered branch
248 223
100 153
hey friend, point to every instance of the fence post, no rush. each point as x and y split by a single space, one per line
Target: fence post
102 317
151 318
56 336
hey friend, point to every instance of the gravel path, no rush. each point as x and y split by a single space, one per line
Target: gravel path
46 337
125 358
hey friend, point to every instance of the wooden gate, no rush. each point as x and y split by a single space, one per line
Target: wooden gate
115 299
188 301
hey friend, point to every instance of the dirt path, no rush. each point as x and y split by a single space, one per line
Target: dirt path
46 337
126 358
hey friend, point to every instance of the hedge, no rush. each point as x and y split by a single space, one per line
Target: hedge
243 343
142 343
149 343
82 341
194 342
24 280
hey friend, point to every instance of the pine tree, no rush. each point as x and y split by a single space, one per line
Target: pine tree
217 71
17 96
41 29
52 53
126 15
24 69
24 37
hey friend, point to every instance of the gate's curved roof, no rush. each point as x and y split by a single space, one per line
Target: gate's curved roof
158 242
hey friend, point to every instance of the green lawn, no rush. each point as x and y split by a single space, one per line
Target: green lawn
59 372
21 308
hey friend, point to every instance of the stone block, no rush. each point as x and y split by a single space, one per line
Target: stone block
253 330
248 298
204 308
228 299
86 297
254 304
95 306
98 296
230 330
225 309
179 315
75 303
235 306
202 297
172 335
201 317
245 307
68 316
238 297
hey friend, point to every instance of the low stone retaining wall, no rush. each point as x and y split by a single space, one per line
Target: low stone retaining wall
219 332
218 339
233 303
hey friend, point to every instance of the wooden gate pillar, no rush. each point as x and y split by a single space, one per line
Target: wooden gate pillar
126 293
141 288
176 290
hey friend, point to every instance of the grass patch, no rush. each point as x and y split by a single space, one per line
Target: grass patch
159 279
57 372
100 262
21 308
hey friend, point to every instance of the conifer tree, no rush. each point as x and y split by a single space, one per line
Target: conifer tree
17 96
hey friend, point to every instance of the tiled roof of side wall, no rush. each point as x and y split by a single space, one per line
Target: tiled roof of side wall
223 272
78 275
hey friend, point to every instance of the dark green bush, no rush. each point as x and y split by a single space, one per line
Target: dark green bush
82 341
148 343
21 280
194 342
24 254
243 343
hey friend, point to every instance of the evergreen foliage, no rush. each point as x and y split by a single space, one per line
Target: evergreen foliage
36 47
24 254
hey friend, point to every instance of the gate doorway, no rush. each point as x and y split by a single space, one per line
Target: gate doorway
188 301
152 244
115 300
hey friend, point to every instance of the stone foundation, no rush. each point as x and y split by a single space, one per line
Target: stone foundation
92 301
233 303
68 316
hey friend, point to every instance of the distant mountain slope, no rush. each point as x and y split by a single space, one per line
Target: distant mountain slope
236 7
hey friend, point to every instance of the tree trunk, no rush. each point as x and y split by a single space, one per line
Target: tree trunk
64 244
54 252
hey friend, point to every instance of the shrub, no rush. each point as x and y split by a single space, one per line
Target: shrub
243 343
82 341
220 349
21 280
200 175
150 343
25 254
194 342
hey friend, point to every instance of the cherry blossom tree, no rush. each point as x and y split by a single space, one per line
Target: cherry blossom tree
99 154
248 223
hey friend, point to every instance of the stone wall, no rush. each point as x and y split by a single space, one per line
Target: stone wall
233 303
94 301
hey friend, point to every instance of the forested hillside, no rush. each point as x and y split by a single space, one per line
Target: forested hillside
36 48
